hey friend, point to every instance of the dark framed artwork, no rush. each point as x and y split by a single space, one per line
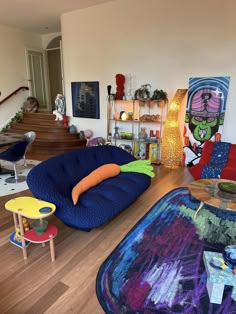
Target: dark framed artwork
85 99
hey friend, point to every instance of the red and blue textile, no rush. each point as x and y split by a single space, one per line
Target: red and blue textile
218 160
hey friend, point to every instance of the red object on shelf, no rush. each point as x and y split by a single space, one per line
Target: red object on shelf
32 236
120 81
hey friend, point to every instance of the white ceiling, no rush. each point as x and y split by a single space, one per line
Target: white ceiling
39 16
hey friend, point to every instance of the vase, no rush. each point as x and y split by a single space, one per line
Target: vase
142 134
72 129
60 104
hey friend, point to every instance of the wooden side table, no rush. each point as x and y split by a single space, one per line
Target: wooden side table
32 208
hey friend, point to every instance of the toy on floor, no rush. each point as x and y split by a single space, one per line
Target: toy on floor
107 171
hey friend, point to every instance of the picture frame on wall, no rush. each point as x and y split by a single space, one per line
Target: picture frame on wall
85 99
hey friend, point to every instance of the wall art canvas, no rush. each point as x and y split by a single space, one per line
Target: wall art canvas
204 119
85 99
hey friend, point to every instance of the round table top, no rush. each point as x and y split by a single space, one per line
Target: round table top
207 191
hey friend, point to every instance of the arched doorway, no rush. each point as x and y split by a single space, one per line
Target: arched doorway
54 60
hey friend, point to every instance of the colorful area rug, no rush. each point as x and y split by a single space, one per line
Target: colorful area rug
11 188
158 267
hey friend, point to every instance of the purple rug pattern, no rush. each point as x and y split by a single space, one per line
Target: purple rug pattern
158 266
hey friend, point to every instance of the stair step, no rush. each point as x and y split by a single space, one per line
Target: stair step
38 115
37 128
52 137
42 122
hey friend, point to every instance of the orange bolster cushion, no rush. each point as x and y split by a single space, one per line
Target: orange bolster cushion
95 177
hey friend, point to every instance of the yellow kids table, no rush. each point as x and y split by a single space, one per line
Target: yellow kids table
32 208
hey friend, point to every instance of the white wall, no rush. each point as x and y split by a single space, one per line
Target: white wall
13 68
161 42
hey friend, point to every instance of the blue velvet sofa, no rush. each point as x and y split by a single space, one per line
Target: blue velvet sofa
53 180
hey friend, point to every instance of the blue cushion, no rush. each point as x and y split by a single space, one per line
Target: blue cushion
53 180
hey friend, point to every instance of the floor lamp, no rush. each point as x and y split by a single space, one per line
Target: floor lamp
172 144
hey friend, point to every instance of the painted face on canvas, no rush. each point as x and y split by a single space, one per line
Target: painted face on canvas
204 115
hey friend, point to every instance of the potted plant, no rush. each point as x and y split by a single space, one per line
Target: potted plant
160 95
143 92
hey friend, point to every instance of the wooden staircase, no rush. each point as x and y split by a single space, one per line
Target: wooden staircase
52 138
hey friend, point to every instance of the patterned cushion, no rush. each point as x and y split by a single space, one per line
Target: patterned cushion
218 160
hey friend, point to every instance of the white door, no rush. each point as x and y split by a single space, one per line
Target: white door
36 77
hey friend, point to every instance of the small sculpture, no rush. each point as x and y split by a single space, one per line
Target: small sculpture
59 116
116 134
120 81
60 104
72 129
88 134
142 134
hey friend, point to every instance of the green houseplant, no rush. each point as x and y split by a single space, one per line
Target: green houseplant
159 95
143 92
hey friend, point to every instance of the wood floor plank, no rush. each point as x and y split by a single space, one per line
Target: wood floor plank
47 299
37 285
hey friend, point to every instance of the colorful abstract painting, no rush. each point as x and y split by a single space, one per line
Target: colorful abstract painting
158 267
204 120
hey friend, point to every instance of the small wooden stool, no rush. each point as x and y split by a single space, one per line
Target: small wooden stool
218 278
32 208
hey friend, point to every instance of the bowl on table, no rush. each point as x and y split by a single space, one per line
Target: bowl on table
40 226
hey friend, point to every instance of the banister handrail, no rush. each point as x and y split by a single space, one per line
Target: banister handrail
13 93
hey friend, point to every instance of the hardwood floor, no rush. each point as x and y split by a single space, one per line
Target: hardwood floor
37 285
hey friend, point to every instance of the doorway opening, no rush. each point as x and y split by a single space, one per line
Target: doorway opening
55 73
35 61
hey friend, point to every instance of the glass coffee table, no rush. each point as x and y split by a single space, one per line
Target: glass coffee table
207 192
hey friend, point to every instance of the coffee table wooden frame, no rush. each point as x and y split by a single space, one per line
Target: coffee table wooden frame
199 189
